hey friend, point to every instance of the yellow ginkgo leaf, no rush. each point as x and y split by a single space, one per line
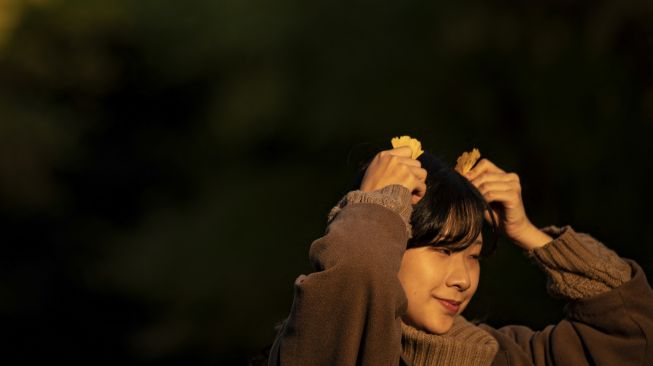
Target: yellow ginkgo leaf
466 161
414 144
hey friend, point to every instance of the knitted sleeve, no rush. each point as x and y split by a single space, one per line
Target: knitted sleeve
394 197
348 310
579 266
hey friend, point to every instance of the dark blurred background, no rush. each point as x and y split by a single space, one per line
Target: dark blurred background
165 165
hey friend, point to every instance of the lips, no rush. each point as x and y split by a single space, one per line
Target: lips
450 306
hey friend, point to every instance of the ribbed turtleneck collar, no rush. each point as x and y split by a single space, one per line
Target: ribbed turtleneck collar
464 344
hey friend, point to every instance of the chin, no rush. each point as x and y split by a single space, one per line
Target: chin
434 325
440 326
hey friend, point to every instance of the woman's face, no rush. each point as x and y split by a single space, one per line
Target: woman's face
438 284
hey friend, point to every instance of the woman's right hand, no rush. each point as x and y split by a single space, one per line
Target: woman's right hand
395 166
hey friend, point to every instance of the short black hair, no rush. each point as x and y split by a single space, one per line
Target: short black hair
452 212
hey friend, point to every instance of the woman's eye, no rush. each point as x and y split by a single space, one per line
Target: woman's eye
444 251
476 257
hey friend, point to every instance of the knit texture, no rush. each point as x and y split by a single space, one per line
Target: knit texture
463 344
394 197
579 266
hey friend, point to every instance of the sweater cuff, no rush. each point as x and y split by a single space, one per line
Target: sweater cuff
579 266
394 197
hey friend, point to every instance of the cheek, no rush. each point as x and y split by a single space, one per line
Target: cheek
405 275
418 273
408 272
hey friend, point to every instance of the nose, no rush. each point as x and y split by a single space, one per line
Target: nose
459 275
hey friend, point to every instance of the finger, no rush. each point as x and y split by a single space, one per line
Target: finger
497 186
403 151
401 156
483 166
420 173
420 189
411 162
495 177
505 197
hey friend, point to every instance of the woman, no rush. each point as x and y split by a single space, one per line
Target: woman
399 264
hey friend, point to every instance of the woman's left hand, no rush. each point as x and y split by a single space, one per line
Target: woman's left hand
503 192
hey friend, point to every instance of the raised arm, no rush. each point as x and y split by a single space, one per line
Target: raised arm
348 311
609 315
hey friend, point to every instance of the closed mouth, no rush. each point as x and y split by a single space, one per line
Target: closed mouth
450 306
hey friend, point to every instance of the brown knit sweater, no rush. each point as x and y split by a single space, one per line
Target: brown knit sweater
578 267
464 344
348 311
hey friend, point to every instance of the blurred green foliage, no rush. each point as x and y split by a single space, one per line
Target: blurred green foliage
165 165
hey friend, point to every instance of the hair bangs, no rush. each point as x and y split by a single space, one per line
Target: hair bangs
461 227
452 211
450 214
